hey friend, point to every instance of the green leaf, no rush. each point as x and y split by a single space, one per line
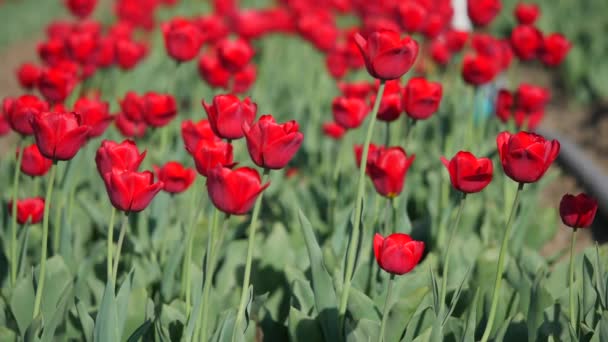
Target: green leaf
303 328
51 323
22 302
170 268
106 322
325 295
226 326
540 299
361 306
122 303
362 330
86 321
58 278
471 323
140 331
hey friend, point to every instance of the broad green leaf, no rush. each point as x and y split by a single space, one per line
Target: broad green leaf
471 320
303 328
52 322
140 331
362 330
22 302
106 322
122 303
86 321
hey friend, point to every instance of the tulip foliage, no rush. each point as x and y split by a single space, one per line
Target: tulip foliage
304 171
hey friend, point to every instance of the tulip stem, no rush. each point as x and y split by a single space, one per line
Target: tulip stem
212 245
331 207
387 138
386 307
245 288
14 214
121 237
45 239
573 317
354 237
499 270
186 278
110 242
446 260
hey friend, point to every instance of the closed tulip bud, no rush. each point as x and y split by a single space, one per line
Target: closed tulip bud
479 70
210 153
468 173
532 98
193 133
505 103
53 50
525 157
234 55
213 27
28 75
59 135
333 130
413 16
28 210
129 53
482 12
421 98
390 106
82 46
227 114
106 52
124 156
94 113
81 8
397 253
387 55
577 211
371 155
554 49
183 39
387 169
434 25
159 109
34 163
336 63
526 14
356 89
349 112
175 177
244 79
132 106
440 53
272 145
526 41
131 191
20 111
55 84
456 39
130 128
234 191
211 70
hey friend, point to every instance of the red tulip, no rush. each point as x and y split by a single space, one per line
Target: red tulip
82 45
390 106
433 26
554 49
244 79
212 27
234 55
94 113
129 53
234 191
577 211
131 191
456 39
371 155
28 210
132 106
124 156
526 41
192 133
4 125
482 12
356 89
397 253
53 50
56 84
210 153
387 168
319 29
211 70
20 111
59 135
130 128
105 55
525 157
336 63
413 15
272 145
28 75
333 130
505 103
478 70
349 112
81 8
440 53
175 177
227 114
526 14
531 98
34 163
387 56
468 173
421 98
159 109
183 39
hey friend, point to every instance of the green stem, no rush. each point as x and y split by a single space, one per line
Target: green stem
45 238
110 241
14 213
386 308
186 277
354 238
250 246
499 270
121 237
471 129
209 269
387 137
331 207
446 260
573 317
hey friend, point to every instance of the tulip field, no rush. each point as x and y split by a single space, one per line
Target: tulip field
290 170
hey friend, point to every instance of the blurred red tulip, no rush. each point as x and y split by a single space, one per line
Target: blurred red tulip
554 49
272 145
227 114
482 12
121 156
578 211
59 135
20 111
131 191
526 14
387 55
333 130
94 113
175 177
34 163
349 112
468 173
183 39
29 210
28 75
159 109
397 253
421 98
387 168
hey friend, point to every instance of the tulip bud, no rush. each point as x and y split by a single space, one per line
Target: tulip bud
397 253
577 211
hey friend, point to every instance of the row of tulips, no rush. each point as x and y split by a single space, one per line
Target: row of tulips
224 43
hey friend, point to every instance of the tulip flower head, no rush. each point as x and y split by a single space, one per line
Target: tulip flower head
183 39
121 156
59 135
175 177
468 173
397 253
234 191
34 163
387 56
421 98
272 145
577 211
131 191
525 156
387 168
227 114
28 210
